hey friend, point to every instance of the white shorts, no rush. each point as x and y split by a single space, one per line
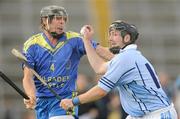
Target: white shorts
164 113
63 117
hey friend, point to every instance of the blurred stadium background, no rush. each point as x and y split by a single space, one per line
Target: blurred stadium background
158 22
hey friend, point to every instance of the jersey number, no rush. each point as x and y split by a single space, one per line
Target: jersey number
152 75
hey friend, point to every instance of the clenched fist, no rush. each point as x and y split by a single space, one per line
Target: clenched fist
87 32
30 103
66 104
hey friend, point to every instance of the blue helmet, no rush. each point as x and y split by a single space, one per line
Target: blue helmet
125 28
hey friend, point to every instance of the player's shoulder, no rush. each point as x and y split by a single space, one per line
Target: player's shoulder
120 57
33 40
72 34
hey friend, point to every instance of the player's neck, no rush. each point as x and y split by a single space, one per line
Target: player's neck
52 40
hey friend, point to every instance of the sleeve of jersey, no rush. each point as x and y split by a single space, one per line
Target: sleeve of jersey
94 43
115 70
81 48
29 54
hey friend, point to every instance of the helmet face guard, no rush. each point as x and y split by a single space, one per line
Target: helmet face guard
125 28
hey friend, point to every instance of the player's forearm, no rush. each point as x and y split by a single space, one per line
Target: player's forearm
28 83
29 87
97 63
93 94
104 52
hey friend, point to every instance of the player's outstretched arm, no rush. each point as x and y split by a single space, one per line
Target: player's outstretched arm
97 63
29 87
93 94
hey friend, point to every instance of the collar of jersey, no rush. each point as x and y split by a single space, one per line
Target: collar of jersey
129 47
59 40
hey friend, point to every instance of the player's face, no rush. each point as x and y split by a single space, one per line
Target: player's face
58 24
115 39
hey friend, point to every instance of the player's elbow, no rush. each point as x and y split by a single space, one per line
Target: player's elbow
101 69
102 93
100 72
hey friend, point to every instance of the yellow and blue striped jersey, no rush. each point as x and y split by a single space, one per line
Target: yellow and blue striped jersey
57 65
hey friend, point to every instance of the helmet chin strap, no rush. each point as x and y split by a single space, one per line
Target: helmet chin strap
56 36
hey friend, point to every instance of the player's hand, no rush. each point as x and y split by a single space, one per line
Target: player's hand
30 103
87 32
66 104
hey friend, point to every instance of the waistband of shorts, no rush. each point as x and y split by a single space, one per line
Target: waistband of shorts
162 109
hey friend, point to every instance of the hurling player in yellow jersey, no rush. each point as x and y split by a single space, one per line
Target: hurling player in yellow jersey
55 55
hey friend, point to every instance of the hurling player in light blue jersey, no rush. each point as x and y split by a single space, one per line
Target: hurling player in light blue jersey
55 55
141 94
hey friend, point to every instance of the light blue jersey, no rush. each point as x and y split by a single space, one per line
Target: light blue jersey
137 82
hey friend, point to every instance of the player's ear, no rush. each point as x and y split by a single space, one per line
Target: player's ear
127 38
